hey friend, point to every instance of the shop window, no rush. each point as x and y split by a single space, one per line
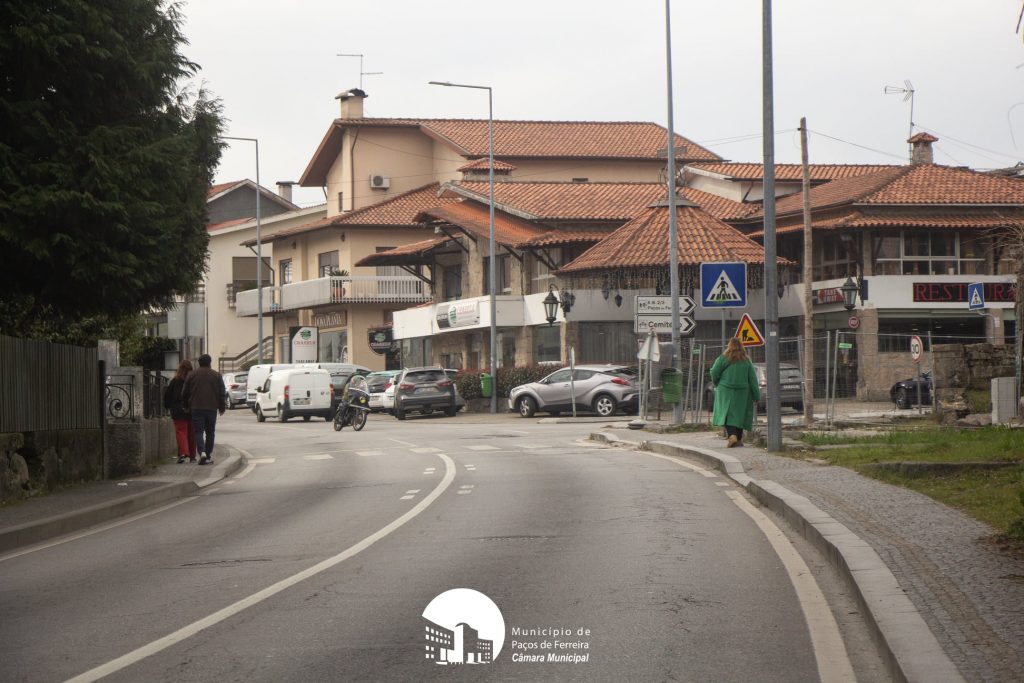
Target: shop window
333 346
547 344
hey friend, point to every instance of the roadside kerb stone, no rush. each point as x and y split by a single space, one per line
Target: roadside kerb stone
42 530
909 648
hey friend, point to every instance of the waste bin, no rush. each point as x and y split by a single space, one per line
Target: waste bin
486 385
672 385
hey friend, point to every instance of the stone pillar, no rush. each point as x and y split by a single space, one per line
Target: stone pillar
867 352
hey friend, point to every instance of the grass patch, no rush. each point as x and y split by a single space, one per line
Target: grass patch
991 496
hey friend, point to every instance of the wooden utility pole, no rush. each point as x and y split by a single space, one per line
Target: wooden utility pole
808 369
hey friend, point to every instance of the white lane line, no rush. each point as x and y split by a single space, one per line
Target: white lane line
190 630
721 483
465 492
425 449
405 443
411 497
465 489
468 486
413 491
250 465
368 454
320 456
94 530
708 473
482 447
829 650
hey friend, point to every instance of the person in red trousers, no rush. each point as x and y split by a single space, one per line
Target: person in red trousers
183 431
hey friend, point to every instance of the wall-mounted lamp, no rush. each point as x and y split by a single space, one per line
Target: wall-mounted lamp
618 299
850 289
342 237
552 303
606 288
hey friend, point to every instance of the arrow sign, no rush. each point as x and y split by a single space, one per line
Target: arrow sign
662 305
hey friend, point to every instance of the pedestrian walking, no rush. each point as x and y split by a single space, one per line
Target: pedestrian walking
204 396
184 432
736 392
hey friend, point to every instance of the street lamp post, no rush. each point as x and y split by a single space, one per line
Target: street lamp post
259 253
491 256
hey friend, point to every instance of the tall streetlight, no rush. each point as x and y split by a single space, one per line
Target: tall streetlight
259 253
491 257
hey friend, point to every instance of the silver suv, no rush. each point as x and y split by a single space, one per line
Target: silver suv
424 390
604 389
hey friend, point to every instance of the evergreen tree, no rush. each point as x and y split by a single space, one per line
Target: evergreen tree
105 161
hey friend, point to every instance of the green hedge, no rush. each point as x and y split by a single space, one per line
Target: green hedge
468 381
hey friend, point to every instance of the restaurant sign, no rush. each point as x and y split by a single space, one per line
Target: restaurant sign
956 292
381 341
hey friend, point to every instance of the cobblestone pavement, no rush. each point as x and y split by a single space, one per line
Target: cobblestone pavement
970 593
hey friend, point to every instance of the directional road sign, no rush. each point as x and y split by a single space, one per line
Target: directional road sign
723 285
976 296
662 304
662 324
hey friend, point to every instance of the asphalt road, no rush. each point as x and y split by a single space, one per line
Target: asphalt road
317 561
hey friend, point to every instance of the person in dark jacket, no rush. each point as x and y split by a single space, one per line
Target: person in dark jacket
184 432
736 392
204 395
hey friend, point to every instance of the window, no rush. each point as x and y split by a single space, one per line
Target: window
547 344
894 335
286 271
327 263
333 347
341 202
503 266
937 253
540 268
832 259
563 375
243 273
452 282
607 343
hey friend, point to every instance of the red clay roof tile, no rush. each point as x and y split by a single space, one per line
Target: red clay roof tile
475 217
787 172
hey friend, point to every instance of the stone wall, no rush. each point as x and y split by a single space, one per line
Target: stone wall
49 459
971 366
134 445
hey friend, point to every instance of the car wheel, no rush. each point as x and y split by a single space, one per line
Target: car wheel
902 398
399 414
526 406
605 406
281 416
260 417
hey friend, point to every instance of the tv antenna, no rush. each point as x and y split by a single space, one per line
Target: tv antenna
361 72
908 95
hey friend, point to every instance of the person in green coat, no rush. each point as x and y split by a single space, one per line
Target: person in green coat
736 392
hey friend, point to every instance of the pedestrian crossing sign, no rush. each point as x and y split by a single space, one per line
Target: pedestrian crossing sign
747 332
976 296
723 285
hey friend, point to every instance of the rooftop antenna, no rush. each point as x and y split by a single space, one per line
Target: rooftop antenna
908 94
361 72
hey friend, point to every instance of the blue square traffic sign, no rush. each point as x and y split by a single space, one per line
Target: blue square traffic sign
723 285
976 296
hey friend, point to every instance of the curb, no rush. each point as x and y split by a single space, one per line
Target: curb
31 533
909 648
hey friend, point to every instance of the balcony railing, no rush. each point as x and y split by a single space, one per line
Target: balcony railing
335 290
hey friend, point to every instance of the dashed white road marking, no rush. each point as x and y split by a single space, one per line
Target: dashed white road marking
413 491
708 473
319 456
429 470
404 443
482 447
425 449
471 468
463 490
192 629
406 497
721 483
368 454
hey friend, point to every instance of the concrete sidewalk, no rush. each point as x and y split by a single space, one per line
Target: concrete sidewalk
62 512
942 600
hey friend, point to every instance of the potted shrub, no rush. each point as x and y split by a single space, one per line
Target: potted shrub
337 287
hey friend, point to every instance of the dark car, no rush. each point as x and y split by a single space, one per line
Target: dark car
424 390
904 392
790 383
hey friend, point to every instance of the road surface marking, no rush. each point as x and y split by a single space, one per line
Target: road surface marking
709 474
721 483
471 468
368 454
406 497
94 530
829 650
250 465
192 629
413 491
404 443
463 490
531 446
482 447
320 456
425 449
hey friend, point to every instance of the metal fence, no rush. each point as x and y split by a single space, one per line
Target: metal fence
46 386
126 398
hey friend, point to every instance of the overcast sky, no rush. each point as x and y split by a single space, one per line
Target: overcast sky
274 65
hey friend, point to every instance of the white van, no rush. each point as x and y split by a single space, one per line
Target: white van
295 392
257 378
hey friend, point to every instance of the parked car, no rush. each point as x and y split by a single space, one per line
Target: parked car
295 392
904 392
604 389
376 383
790 380
258 377
460 402
424 390
235 388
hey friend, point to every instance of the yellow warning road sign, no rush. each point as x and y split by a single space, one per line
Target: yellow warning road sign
747 332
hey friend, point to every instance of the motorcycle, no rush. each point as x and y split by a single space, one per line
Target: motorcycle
354 407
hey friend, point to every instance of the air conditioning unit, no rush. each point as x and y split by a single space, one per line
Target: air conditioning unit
379 182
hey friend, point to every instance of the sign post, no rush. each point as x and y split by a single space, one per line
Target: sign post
916 349
572 379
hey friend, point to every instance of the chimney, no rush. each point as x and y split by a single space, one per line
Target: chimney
921 149
284 189
352 103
